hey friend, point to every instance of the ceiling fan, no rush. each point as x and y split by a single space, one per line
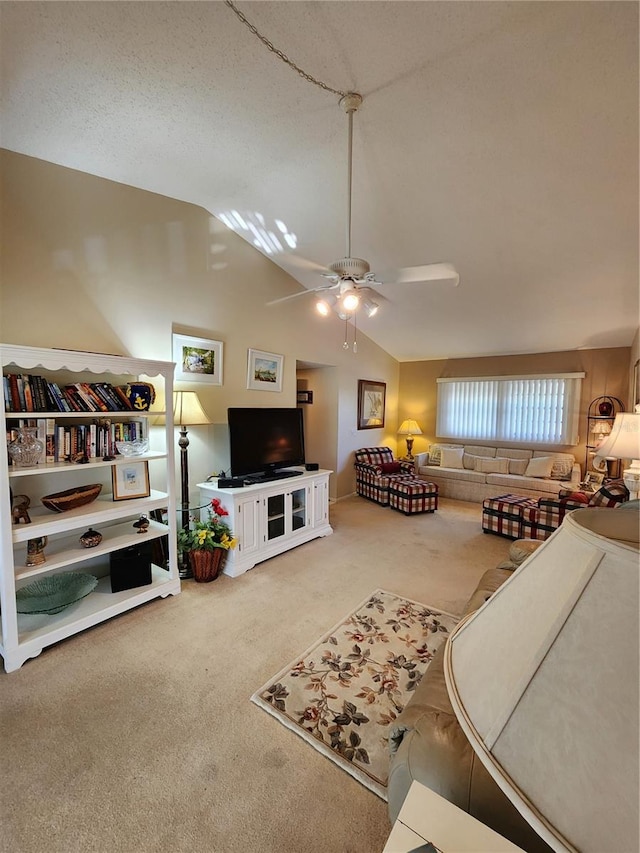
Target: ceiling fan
350 280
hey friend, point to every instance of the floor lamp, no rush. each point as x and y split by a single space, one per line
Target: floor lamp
187 411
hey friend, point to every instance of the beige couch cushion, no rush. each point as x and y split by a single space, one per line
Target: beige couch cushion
492 465
512 483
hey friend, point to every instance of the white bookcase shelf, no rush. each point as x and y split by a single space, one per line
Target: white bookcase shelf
24 636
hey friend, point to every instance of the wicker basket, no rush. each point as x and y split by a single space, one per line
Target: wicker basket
207 565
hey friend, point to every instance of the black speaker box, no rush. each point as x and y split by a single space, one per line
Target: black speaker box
230 482
130 567
312 466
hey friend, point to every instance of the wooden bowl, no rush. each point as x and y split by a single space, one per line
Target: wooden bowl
72 498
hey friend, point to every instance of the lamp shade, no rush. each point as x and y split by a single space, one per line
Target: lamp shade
187 410
409 427
624 439
543 679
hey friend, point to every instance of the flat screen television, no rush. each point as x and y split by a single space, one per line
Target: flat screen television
262 440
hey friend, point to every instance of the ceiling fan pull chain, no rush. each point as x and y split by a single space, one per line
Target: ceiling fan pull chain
345 345
355 332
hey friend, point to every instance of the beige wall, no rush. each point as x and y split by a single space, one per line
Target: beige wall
607 372
91 264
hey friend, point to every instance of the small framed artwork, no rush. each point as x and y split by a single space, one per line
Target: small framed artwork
130 480
371 402
304 397
636 384
264 372
197 359
592 480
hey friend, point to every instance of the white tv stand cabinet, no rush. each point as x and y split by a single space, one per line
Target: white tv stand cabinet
273 517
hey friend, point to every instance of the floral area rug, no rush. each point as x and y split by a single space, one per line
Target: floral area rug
344 692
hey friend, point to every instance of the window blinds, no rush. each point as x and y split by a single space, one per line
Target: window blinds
532 409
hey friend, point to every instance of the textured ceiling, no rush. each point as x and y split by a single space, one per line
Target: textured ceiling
502 137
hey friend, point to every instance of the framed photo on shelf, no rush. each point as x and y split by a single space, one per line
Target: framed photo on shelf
264 371
130 480
197 359
371 403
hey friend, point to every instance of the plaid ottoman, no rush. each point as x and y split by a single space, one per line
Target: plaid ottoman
410 495
505 516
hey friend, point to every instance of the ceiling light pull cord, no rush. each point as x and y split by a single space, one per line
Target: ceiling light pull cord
280 54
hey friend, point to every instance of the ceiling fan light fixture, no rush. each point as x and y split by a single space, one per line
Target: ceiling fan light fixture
370 307
350 301
324 305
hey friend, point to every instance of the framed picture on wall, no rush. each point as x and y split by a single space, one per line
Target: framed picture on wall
197 359
264 371
636 383
371 402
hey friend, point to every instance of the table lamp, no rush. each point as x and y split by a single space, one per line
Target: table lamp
409 428
543 679
624 443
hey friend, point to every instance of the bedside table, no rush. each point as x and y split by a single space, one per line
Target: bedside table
428 823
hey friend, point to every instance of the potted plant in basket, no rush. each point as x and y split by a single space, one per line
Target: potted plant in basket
206 543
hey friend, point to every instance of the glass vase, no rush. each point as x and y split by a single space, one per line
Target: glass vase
26 449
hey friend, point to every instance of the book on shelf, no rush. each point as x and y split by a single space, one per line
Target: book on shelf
50 440
100 405
33 393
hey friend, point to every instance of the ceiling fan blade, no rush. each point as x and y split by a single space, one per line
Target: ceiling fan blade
324 289
427 272
304 264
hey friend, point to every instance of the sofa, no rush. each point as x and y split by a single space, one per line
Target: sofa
427 744
469 472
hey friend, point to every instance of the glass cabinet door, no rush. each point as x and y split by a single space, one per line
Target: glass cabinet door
275 516
298 509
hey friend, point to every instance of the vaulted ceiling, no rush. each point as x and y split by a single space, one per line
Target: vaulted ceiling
499 136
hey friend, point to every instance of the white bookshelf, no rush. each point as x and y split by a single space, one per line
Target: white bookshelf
24 636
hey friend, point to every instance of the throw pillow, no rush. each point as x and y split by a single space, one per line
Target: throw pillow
561 469
611 494
577 497
451 457
539 466
469 461
495 465
389 467
434 453
518 466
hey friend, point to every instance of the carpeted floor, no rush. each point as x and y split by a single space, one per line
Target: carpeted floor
343 694
139 735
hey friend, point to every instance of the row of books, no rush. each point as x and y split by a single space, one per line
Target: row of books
27 392
71 443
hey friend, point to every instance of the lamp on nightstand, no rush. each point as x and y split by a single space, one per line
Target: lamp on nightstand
409 428
624 443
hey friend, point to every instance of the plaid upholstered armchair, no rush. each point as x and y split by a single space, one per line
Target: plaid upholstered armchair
376 469
550 513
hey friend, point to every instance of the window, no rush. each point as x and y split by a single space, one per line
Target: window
532 409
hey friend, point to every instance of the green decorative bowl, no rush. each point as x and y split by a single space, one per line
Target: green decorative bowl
52 594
